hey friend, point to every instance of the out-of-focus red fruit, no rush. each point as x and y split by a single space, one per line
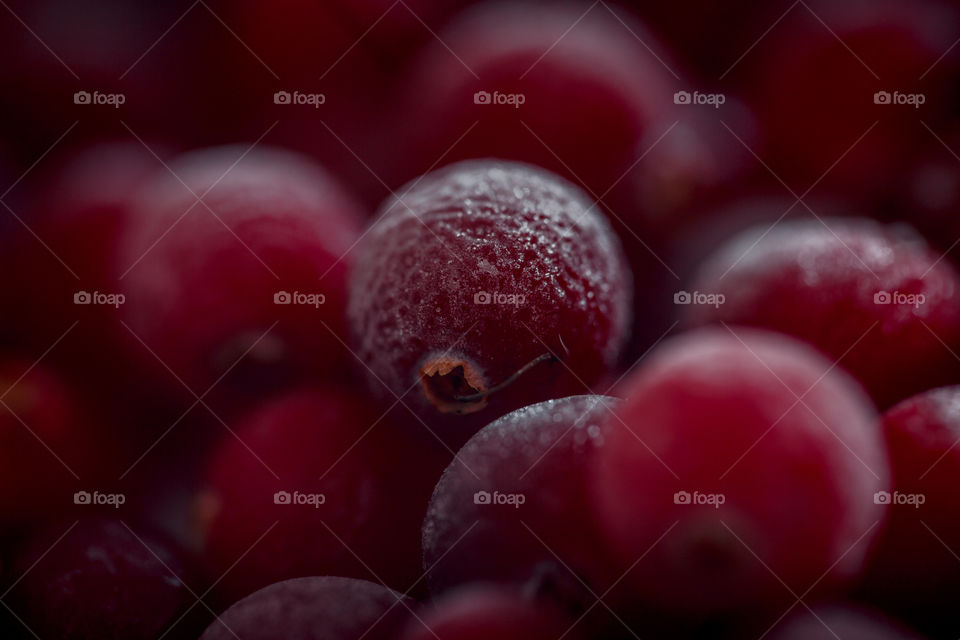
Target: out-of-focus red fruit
101 578
254 275
50 445
315 608
315 483
473 282
875 298
914 572
515 495
828 622
478 612
850 65
524 82
723 487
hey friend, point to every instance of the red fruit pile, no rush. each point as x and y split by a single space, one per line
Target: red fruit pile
423 320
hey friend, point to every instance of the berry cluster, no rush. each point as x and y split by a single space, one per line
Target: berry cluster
423 320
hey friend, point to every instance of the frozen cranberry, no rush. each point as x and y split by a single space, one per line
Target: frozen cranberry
312 485
99 579
853 67
250 282
50 443
914 572
315 608
875 298
828 622
524 81
726 490
515 495
478 612
476 281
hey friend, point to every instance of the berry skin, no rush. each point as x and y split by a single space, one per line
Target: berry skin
314 608
829 622
99 581
539 452
479 612
876 298
202 281
913 572
325 443
480 270
713 460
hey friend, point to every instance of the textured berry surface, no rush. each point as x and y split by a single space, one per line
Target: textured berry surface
316 475
202 278
535 458
840 621
479 269
876 298
314 608
740 480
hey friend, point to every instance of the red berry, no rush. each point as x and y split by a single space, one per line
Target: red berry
875 298
514 496
99 579
318 608
715 478
255 274
481 269
316 475
828 622
914 572
479 612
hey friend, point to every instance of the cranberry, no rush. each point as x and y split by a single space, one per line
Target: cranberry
310 487
875 298
914 572
315 608
250 282
715 478
100 578
474 282
515 495
826 622
478 612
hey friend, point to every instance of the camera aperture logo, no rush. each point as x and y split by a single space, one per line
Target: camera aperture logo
896 98
296 98
111 299
99 499
296 498
696 498
698 297
899 499
697 98
96 98
512 499
896 297
511 99
485 297
309 299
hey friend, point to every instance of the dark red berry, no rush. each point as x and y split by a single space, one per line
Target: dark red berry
877 299
476 281
828 622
